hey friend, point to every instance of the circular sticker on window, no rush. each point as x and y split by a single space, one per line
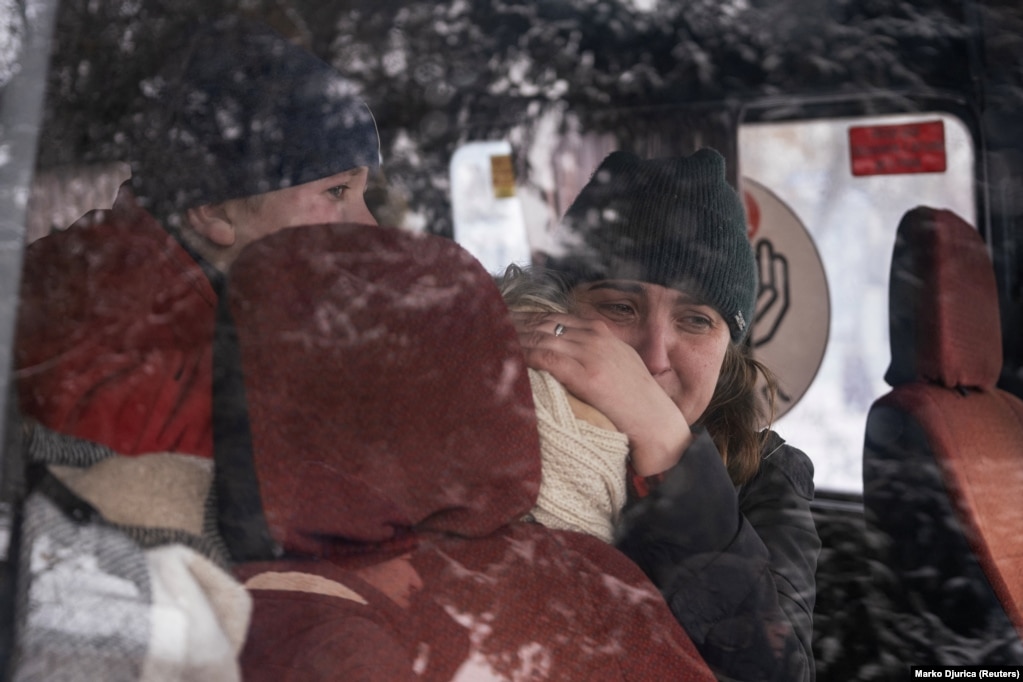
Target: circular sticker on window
793 310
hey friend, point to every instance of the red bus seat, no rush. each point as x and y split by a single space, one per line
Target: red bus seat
394 442
943 456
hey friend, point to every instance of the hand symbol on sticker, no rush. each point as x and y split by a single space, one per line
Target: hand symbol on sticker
773 293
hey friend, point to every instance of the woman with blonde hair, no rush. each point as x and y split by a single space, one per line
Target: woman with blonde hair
583 456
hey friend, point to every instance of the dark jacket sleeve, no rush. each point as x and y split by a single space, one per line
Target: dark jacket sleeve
735 566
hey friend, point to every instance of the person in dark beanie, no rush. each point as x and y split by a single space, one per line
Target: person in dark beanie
655 259
245 134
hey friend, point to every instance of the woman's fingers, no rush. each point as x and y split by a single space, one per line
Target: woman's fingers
586 357
550 342
608 374
554 324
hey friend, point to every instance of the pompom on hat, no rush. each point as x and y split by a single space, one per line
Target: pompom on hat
243 111
675 222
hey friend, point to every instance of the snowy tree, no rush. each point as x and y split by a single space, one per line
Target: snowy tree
437 74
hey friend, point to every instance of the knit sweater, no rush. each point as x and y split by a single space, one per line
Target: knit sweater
582 487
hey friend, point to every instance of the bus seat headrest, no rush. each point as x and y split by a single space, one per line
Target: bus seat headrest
386 390
943 304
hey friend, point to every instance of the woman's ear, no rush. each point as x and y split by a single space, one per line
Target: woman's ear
212 222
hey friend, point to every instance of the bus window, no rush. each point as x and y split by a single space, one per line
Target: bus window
62 195
488 217
844 183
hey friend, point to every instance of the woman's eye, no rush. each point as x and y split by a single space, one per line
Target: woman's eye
698 322
337 191
616 309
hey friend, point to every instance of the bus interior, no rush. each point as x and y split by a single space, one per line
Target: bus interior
836 118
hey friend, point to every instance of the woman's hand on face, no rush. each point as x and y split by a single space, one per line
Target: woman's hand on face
600 369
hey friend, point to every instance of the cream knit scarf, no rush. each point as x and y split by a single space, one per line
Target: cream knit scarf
583 475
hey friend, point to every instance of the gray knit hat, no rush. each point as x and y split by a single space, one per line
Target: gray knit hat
243 111
674 222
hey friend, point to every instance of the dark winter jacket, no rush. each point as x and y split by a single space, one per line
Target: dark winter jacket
735 565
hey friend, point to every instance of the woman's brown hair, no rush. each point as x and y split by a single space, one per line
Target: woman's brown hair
735 416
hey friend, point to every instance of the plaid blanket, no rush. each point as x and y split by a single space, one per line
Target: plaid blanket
124 600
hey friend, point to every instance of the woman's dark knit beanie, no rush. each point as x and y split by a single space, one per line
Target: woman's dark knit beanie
675 222
243 111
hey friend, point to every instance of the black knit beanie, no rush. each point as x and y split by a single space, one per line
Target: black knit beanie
243 111
674 222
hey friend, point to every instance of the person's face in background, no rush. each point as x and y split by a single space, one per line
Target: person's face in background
681 341
228 227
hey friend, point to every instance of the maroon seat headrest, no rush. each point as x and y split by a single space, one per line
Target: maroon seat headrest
385 388
943 301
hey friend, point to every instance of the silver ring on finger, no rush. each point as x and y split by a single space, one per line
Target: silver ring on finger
559 329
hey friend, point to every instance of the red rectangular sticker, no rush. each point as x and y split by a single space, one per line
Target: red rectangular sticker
894 149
